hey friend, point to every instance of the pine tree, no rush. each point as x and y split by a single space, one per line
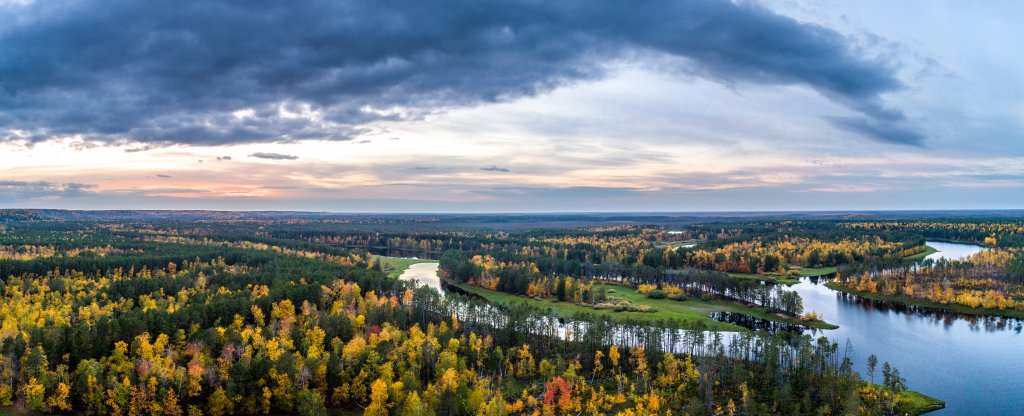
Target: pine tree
560 289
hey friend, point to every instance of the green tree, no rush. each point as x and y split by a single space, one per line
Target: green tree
872 363
560 288
414 406
219 404
310 403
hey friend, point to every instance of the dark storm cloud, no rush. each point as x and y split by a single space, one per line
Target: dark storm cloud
494 168
182 71
21 191
273 156
882 130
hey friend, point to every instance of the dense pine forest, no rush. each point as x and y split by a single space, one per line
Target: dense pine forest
274 314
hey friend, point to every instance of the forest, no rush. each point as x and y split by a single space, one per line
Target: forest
280 315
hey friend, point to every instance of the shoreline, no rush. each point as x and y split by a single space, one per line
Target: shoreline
924 303
399 265
920 403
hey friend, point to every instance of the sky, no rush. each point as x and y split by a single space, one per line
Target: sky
511 106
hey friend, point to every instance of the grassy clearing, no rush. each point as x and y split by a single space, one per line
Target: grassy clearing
786 280
816 271
693 310
929 250
696 313
673 307
914 403
394 266
1009 313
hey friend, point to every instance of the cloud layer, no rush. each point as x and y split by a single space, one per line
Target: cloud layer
229 71
272 156
27 191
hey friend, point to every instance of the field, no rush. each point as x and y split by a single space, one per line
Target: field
929 250
915 403
693 311
786 280
816 271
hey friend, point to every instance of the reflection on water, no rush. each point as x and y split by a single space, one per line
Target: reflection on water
459 291
424 273
755 323
987 323
952 251
970 361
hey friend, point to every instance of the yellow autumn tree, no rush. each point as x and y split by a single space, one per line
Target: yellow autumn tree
378 399
170 404
219 404
60 398
35 394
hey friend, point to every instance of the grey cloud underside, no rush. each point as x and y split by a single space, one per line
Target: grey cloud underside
21 191
880 129
273 156
175 71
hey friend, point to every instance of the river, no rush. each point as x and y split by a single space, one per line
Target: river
952 251
972 363
424 273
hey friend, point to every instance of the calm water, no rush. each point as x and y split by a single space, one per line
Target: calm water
425 273
952 251
972 363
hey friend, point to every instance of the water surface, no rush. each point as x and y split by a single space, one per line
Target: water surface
424 273
973 363
952 251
